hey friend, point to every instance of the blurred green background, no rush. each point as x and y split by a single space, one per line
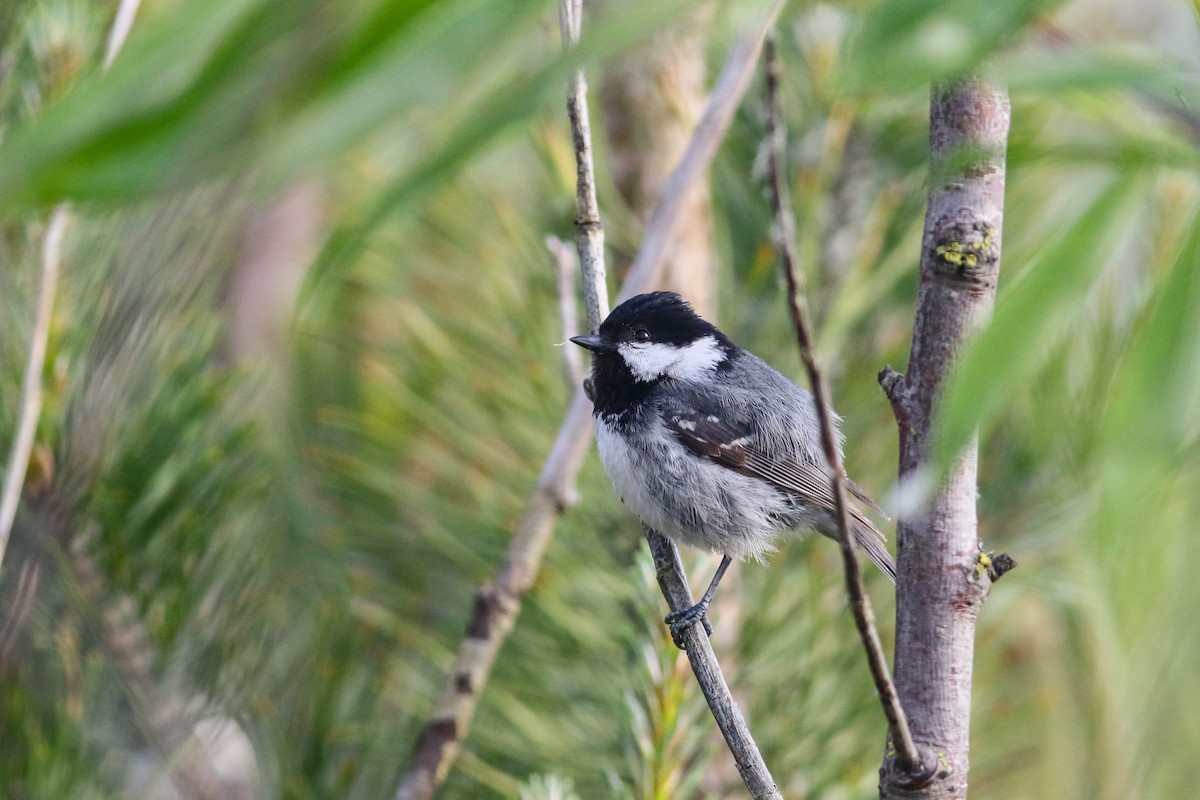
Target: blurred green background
304 369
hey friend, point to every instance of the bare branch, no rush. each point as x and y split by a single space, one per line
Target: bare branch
31 388
589 232
564 259
122 24
943 577
498 603
706 668
785 235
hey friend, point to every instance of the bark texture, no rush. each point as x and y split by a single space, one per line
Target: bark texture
589 231
941 586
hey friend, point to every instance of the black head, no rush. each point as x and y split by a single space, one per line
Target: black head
657 317
662 317
646 340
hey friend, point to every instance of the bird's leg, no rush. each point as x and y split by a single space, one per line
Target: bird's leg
685 617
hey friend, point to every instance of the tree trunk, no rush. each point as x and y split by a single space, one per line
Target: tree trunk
940 587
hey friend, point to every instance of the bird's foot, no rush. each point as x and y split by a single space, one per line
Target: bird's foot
679 621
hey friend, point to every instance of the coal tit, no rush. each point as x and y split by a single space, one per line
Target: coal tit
706 443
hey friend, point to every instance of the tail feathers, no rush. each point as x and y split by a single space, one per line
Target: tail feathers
864 497
870 541
869 538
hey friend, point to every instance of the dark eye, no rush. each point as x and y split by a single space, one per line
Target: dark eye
641 335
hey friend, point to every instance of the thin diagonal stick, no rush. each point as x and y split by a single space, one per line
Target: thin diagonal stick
694 640
31 382
785 234
122 24
31 389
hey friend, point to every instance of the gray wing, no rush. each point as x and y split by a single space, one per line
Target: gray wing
732 443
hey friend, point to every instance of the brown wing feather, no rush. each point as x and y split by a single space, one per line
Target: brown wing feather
732 446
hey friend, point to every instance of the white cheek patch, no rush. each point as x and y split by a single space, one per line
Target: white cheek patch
698 358
649 362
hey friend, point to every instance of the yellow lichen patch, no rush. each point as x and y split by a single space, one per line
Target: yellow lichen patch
983 564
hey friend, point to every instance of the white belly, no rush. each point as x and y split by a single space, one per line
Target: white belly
693 500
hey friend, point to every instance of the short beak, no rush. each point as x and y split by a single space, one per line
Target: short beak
597 344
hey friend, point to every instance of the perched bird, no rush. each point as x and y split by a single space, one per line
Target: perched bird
706 443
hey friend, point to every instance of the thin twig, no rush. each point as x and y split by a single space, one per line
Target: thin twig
565 260
785 234
589 232
497 604
31 389
694 640
122 24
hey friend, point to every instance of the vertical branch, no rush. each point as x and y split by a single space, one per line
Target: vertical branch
785 238
589 232
941 584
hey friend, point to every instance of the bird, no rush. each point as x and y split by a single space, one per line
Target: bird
709 445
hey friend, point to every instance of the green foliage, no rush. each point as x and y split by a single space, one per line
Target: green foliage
299 537
904 44
1032 318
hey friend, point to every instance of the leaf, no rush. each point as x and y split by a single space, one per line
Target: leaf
455 49
1029 321
181 95
1154 411
1078 69
194 92
492 116
906 44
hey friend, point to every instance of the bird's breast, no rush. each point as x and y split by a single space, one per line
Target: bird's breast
692 500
